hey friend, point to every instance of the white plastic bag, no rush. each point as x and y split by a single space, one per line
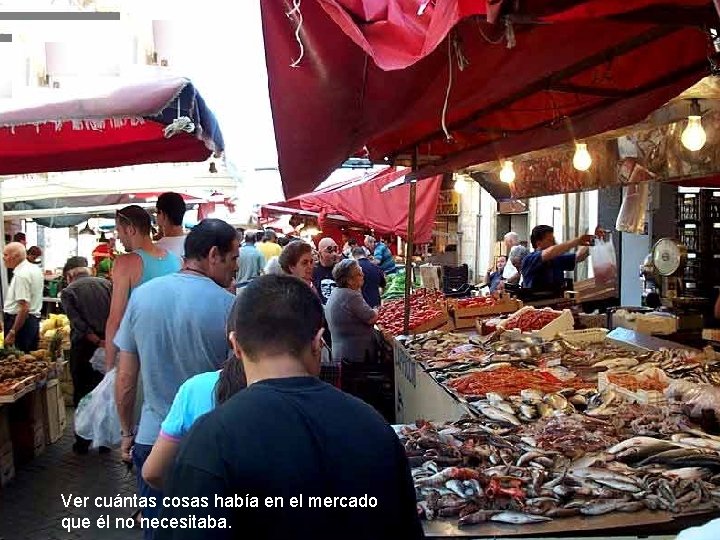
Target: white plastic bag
633 211
96 416
604 262
98 360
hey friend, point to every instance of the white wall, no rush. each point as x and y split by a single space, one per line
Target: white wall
468 226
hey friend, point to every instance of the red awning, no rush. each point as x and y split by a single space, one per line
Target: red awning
375 74
124 127
361 201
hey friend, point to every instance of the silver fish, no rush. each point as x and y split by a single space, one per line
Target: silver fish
504 406
556 401
528 411
493 413
578 399
618 485
639 442
528 456
493 367
531 395
494 397
518 518
456 486
605 507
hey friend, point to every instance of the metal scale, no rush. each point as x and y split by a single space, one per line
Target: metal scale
663 284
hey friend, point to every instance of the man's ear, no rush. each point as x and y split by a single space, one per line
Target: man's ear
235 346
214 253
317 342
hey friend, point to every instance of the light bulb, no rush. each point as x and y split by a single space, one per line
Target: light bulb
460 184
582 158
507 173
693 136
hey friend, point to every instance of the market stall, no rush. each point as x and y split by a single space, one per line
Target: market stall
540 429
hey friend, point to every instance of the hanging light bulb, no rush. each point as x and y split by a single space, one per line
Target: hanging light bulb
460 184
507 172
582 158
693 136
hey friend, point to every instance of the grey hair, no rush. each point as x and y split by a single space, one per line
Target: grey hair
512 235
519 252
79 271
342 270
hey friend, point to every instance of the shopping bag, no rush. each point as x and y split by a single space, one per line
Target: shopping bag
97 361
604 262
96 416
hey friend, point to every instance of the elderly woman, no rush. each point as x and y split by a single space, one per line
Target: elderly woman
296 259
349 317
516 256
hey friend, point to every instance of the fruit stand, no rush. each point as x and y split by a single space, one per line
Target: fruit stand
32 406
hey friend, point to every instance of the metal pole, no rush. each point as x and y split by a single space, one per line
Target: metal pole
409 246
3 270
577 226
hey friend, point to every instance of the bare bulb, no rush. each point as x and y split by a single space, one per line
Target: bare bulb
693 136
460 185
582 158
507 172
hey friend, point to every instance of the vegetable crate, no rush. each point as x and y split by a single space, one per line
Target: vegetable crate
464 313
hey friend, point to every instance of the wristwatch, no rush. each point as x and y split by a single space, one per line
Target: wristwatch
127 434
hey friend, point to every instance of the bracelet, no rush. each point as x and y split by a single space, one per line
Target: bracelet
127 435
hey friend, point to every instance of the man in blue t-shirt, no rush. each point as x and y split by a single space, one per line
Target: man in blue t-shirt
382 256
374 278
544 268
173 329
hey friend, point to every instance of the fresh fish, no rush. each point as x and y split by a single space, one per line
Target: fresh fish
493 413
473 488
687 473
596 473
456 486
528 457
480 516
544 462
528 411
605 507
518 518
639 442
556 401
545 410
531 395
619 485
494 397
504 406
616 363
562 512
493 367
579 400
702 434
673 454
590 460
699 442
529 441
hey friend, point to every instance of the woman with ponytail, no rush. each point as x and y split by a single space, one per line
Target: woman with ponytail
198 395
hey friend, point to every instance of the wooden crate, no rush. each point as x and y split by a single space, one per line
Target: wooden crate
27 429
53 411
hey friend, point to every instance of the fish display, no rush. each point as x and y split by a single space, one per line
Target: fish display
555 430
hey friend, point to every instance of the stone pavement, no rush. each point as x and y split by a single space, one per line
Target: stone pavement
31 506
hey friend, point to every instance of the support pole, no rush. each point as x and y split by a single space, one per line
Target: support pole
409 246
3 270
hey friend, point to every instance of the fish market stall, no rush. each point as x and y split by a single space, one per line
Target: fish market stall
525 433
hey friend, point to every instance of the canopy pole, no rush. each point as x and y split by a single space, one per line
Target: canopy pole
3 270
409 245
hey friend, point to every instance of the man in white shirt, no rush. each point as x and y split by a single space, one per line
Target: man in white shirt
171 210
511 240
23 303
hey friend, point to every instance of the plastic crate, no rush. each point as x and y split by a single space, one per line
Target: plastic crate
689 235
712 206
688 207
694 267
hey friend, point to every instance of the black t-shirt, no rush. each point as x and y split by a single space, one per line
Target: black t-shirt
286 438
323 280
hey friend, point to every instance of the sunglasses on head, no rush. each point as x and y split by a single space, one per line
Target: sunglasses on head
123 217
331 249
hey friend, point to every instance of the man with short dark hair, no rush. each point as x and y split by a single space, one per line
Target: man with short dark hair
171 210
86 302
544 269
251 262
374 277
143 262
290 435
20 238
173 329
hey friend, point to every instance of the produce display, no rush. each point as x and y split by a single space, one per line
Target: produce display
395 287
53 324
556 428
426 309
476 302
18 369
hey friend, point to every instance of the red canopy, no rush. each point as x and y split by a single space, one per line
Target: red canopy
375 75
124 127
361 201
